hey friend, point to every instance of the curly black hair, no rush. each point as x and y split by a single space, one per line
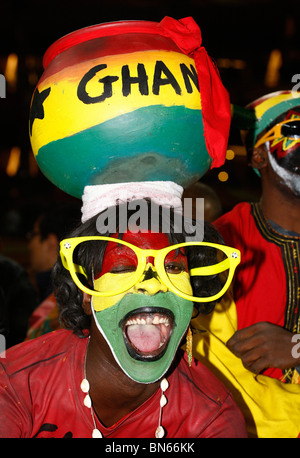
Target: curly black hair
69 297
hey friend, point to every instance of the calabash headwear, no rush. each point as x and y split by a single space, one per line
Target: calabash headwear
130 101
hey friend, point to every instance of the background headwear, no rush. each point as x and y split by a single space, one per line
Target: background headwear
82 136
269 107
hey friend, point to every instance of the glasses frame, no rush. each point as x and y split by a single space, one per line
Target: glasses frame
67 247
275 132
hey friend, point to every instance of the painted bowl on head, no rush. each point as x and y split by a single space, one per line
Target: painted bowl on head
118 102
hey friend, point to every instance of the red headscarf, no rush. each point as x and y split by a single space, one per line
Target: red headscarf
214 97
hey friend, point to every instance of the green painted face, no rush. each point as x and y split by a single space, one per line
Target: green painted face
144 332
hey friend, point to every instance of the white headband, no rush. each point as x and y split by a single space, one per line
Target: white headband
97 198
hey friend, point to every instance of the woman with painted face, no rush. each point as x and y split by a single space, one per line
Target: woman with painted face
118 370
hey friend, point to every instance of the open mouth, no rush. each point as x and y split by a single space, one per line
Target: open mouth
147 332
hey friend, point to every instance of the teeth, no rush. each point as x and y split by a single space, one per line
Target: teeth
149 320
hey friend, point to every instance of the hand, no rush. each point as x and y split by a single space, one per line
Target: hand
264 345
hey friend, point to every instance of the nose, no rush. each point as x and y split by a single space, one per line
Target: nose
150 283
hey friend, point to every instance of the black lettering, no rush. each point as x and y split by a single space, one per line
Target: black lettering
189 74
158 81
49 427
107 85
141 80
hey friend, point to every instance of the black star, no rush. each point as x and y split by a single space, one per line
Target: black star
150 274
37 109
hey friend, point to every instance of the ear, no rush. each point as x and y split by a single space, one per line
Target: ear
259 158
86 303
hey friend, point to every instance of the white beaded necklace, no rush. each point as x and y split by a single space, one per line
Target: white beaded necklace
85 388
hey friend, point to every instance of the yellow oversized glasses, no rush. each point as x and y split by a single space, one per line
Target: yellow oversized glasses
205 263
289 129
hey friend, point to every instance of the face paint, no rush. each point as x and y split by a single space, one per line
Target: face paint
153 285
288 179
120 262
118 258
291 162
144 332
143 326
282 147
284 158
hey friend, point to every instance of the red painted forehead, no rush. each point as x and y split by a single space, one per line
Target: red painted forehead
118 254
148 240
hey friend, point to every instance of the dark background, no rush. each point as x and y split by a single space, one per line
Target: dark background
255 44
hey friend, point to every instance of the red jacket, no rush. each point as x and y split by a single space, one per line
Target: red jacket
40 396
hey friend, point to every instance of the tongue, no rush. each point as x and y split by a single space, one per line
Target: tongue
146 338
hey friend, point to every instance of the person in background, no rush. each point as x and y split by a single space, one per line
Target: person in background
18 300
212 203
268 235
49 229
260 327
